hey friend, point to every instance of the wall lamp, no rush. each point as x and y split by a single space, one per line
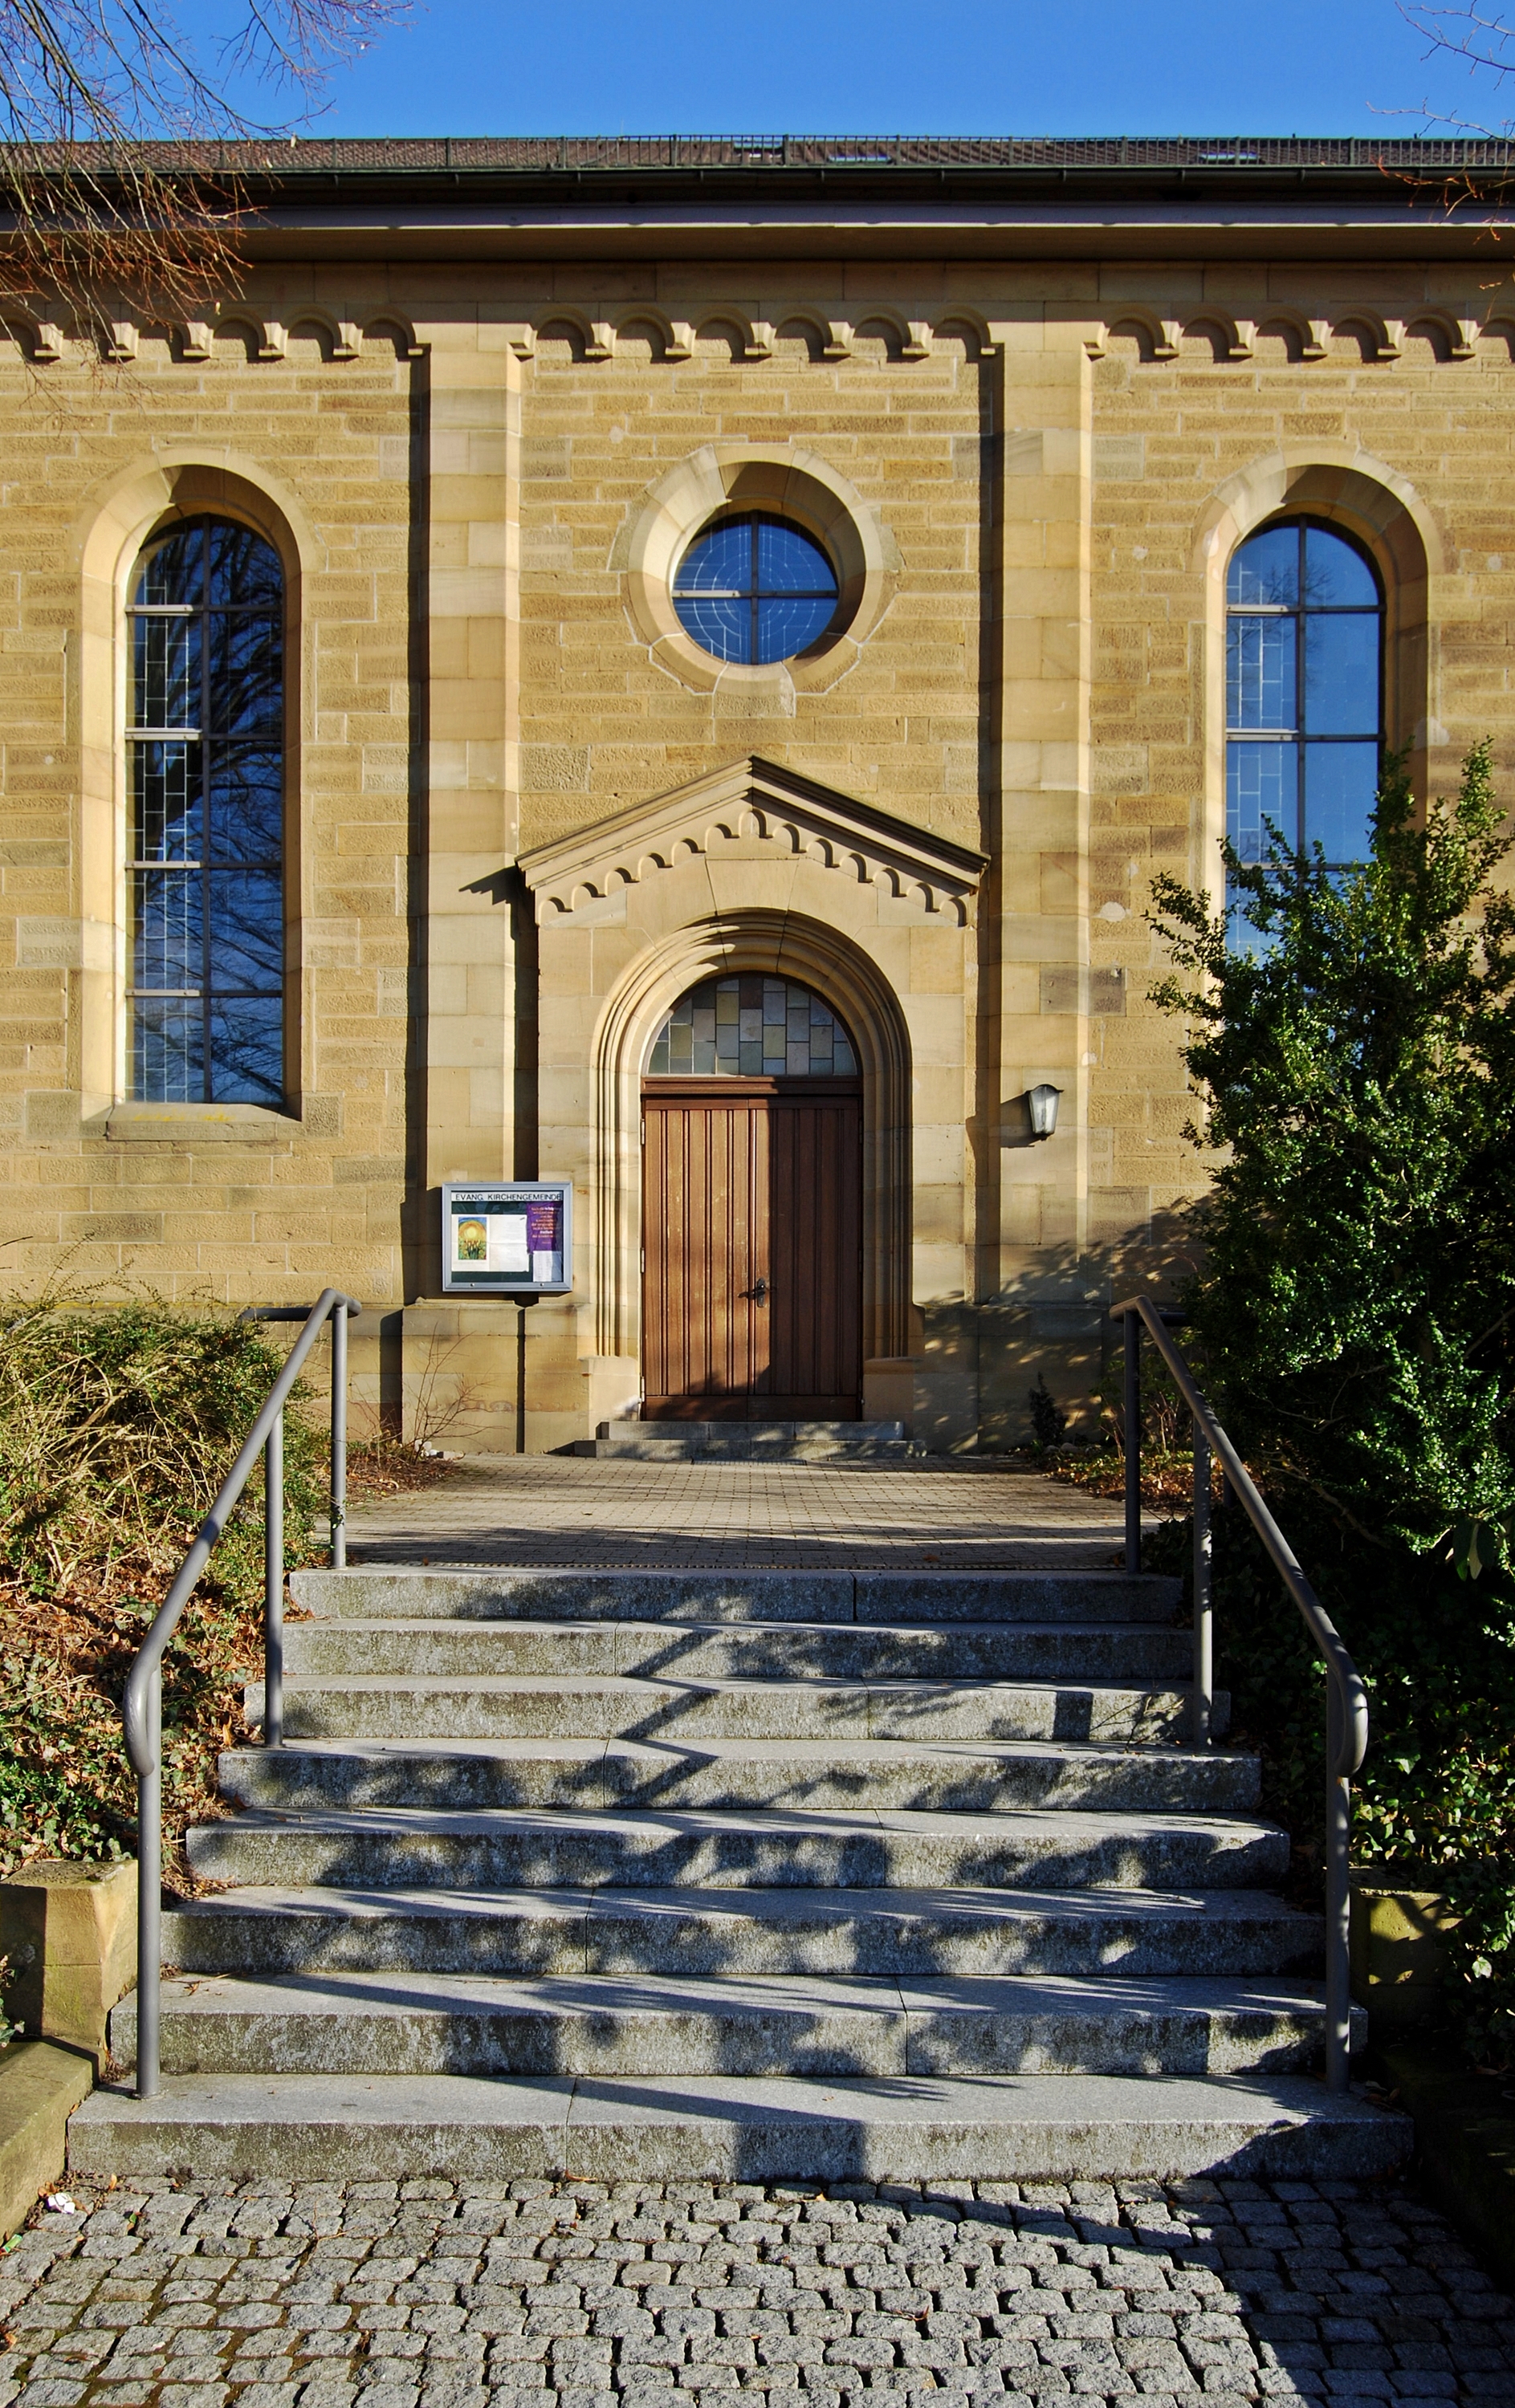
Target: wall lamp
1042 1103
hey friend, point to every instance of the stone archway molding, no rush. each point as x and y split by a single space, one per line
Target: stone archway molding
1376 504
1324 480
777 944
751 867
178 480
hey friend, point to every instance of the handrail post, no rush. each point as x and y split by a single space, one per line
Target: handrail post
1346 1700
338 1438
141 1704
1338 1900
1133 1440
273 1584
1204 1692
149 1897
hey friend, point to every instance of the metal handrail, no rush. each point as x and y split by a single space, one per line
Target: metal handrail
141 1705
1347 1712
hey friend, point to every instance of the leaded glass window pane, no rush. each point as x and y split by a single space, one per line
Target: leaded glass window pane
206 934
756 589
752 1027
1304 696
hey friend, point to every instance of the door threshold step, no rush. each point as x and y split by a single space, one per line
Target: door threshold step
629 2024
752 1427
733 1440
742 1450
723 2128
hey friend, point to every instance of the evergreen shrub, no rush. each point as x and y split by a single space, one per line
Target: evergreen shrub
1351 1041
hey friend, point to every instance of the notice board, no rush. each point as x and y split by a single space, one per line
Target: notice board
515 1240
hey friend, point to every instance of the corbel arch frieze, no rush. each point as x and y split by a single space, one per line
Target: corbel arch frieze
754 809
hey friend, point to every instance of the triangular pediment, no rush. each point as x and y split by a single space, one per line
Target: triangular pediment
752 810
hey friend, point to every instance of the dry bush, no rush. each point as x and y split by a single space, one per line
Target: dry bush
118 1424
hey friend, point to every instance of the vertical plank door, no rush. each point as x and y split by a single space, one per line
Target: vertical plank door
752 1272
704 1236
815 1251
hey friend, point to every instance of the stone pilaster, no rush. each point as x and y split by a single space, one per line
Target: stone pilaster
1033 1229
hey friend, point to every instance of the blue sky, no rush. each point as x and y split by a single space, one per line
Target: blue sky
908 66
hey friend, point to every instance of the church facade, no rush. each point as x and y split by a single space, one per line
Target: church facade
670 668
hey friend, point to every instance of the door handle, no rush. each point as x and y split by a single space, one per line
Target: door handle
758 1291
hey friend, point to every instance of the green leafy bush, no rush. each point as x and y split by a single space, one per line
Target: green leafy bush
1356 1313
118 1424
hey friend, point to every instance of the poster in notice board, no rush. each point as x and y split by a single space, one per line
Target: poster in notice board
507 1240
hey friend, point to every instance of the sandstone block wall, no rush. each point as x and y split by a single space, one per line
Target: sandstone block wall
1052 461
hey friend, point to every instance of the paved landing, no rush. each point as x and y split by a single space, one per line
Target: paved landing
547 1510
531 2294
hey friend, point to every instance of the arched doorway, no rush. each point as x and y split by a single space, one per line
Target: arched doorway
752 1208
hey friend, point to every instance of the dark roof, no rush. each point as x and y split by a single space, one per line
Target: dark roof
535 153
1016 195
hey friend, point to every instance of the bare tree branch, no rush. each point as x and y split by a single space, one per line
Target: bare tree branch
1486 44
117 194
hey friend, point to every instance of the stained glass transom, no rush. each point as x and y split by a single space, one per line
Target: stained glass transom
752 1027
206 774
755 589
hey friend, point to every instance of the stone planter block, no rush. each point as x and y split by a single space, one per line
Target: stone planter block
1398 1956
70 1933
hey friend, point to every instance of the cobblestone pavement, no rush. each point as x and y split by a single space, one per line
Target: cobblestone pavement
418 2295
545 1509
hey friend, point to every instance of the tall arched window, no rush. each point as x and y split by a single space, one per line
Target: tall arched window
1304 692
206 770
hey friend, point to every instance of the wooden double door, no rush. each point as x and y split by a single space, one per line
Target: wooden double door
752 1249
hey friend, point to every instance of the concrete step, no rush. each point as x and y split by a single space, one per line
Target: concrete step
893 1599
1055 2128
876 1933
424 2023
430 1649
967 1778
576 1847
384 1706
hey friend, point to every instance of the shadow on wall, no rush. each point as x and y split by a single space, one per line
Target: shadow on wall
1054 1324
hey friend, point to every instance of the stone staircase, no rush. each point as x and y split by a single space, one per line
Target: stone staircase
758 1875
638 1441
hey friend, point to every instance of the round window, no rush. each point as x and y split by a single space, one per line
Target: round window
752 1027
756 588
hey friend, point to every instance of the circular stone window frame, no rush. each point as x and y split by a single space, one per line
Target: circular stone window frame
722 481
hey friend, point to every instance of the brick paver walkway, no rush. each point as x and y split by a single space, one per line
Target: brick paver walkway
545 1509
418 2295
